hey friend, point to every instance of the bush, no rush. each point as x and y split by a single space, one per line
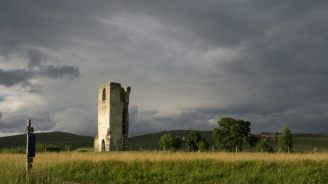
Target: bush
264 146
170 142
285 140
202 146
47 148
196 142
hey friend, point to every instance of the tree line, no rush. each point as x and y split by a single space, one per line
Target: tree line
231 135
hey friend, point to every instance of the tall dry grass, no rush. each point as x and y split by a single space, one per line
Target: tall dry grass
166 167
48 158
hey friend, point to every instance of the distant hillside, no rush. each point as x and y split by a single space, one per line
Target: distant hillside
311 141
61 139
303 142
56 138
150 141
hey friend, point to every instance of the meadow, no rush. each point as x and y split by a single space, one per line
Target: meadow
166 167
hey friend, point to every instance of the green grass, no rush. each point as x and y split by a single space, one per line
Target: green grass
311 141
194 171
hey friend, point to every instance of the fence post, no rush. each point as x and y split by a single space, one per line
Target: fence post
30 145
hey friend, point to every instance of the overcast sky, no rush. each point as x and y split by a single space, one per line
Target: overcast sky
188 62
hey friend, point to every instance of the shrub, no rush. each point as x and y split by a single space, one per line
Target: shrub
264 146
285 140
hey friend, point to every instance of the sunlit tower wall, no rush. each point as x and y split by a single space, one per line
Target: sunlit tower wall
113 117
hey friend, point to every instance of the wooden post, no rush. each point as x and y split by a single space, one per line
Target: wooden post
30 145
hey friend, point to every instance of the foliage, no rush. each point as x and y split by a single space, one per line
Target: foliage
251 140
202 146
285 140
231 134
166 141
177 143
47 148
196 142
170 142
264 146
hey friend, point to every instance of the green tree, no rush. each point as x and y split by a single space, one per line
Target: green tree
285 140
196 142
231 134
251 140
166 141
202 145
170 142
177 143
264 146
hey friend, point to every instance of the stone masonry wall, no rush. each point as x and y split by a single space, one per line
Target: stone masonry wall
113 117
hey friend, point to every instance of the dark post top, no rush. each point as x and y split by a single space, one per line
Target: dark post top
29 128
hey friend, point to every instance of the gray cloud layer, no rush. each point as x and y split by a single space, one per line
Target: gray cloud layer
35 66
188 62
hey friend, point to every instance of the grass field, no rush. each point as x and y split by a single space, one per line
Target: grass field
166 167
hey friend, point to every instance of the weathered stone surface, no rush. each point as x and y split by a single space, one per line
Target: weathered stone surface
113 117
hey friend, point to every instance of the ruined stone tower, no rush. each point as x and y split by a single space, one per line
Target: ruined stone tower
113 117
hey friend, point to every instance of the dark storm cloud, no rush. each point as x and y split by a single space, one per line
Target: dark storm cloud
8 47
18 124
13 77
50 23
36 68
59 71
278 76
35 57
284 64
21 76
229 23
186 120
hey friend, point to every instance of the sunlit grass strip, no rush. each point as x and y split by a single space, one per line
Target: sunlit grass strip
193 171
160 156
166 167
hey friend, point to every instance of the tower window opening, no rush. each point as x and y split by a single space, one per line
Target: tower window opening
104 94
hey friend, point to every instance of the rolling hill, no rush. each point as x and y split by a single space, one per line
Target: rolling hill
303 142
150 141
59 139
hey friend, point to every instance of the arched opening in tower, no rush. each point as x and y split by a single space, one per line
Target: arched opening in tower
103 145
